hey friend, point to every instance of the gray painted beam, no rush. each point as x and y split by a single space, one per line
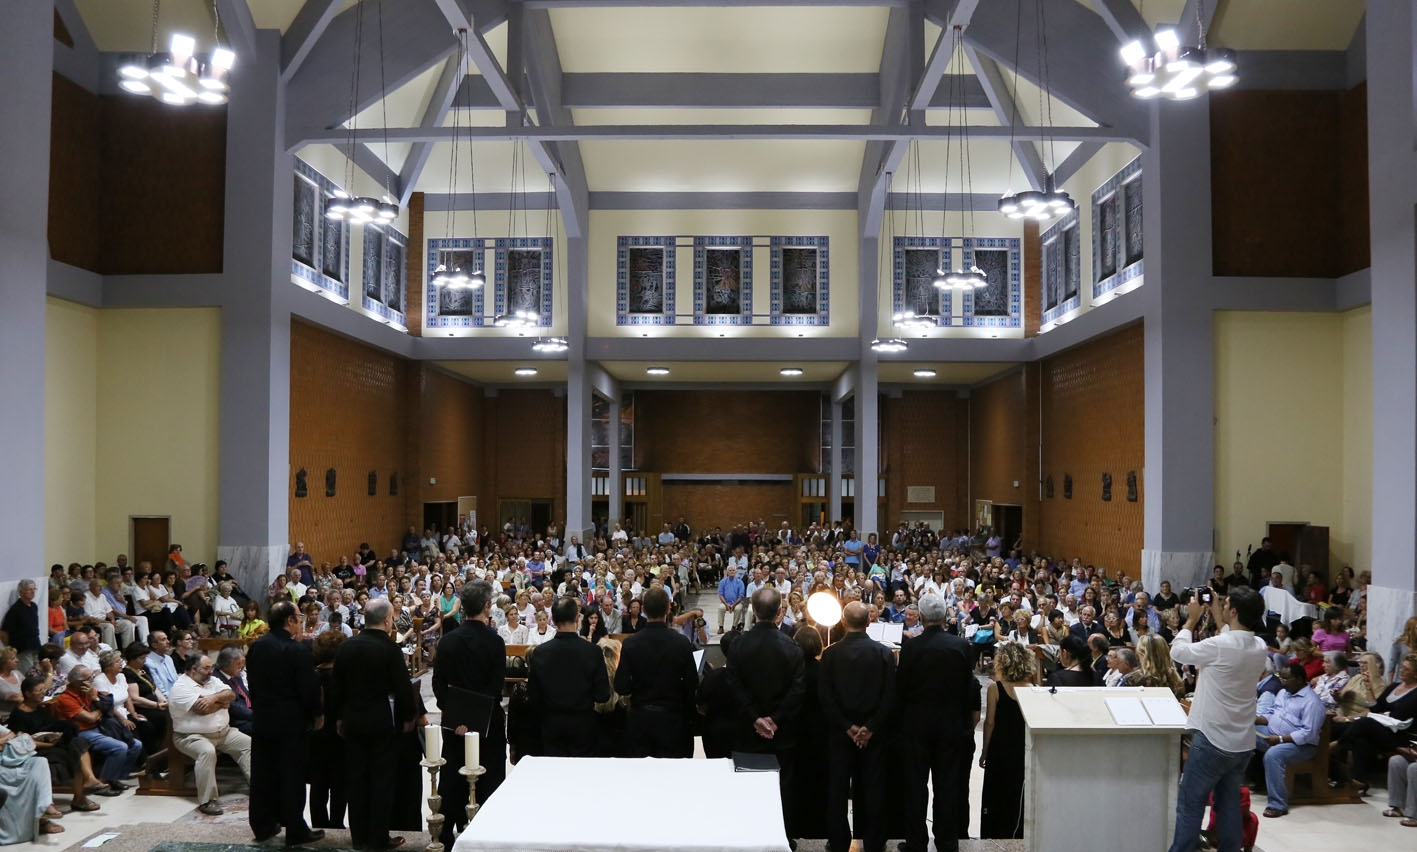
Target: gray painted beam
80 67
617 90
1074 162
606 386
165 291
438 106
238 25
721 348
365 158
1025 153
963 349
1354 290
639 4
544 78
1123 18
1356 56
310 23
904 75
416 37
74 23
1186 27
73 284
602 200
712 132
1077 37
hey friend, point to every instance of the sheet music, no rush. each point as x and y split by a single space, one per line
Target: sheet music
876 630
1164 711
699 659
892 633
1128 712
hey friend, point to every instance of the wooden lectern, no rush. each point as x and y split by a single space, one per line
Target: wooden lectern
1092 782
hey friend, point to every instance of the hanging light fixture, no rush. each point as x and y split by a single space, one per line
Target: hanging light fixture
959 278
181 76
887 345
455 277
1043 204
550 345
1168 69
363 210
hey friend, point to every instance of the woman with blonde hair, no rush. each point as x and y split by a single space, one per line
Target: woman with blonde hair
1001 811
610 714
1157 669
1405 644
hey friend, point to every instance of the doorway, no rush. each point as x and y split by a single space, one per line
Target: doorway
441 515
1008 521
149 538
534 514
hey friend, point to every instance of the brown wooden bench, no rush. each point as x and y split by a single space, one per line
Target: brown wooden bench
178 766
1315 772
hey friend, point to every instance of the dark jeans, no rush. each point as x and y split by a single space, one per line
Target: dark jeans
945 752
865 768
278 785
568 735
370 760
1210 769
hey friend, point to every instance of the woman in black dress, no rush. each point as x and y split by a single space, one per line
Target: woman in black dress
1001 811
810 755
326 775
1363 738
1073 667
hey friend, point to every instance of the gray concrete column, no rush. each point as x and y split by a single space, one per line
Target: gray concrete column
1392 171
868 425
254 452
578 393
617 481
1179 476
834 466
26 57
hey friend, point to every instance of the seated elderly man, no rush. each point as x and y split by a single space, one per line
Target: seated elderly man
201 726
80 653
78 704
1289 734
230 670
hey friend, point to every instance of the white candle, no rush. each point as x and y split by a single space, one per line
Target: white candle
471 750
432 742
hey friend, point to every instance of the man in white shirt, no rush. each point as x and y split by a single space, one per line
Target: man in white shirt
227 612
80 653
1222 716
110 626
201 726
619 535
575 551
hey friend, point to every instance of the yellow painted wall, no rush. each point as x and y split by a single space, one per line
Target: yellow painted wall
157 425
1357 439
606 226
1288 445
70 431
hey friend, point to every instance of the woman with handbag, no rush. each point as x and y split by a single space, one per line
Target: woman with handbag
1368 736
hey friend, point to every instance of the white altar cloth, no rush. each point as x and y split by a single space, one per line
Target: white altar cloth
529 813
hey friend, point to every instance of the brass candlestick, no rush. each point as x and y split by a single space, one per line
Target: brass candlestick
472 773
435 805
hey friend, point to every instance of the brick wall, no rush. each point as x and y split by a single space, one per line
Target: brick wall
727 431
705 506
347 413
1093 423
524 450
924 435
998 416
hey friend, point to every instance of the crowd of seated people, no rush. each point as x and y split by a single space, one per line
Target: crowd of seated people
1080 625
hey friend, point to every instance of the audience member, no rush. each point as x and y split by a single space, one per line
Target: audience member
1288 734
201 727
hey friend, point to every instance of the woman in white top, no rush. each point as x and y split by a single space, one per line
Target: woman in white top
513 632
543 632
226 611
110 679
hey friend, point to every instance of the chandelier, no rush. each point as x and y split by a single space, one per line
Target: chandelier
360 210
1179 72
960 278
550 345
911 321
1043 204
180 76
453 276
892 344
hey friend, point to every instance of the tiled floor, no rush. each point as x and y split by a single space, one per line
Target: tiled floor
1338 827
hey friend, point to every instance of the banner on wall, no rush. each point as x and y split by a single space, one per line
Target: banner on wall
467 508
983 514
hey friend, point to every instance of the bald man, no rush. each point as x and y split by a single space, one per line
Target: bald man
858 692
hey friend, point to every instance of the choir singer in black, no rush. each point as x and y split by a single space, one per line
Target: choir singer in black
657 672
566 681
858 692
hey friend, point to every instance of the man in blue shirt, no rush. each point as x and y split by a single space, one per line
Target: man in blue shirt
895 613
853 548
160 666
730 594
1289 734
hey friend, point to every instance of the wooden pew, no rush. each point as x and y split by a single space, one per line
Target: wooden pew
178 782
1315 771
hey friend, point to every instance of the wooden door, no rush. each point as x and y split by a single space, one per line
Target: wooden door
150 538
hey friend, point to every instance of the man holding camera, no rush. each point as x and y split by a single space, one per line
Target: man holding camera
1222 717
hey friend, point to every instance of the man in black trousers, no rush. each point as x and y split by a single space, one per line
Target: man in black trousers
766 678
372 705
285 708
471 659
858 693
940 701
657 672
566 681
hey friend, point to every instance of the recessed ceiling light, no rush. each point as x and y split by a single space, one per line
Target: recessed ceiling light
791 371
525 371
924 374
657 371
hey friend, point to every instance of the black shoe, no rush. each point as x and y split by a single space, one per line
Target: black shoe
262 838
119 786
313 837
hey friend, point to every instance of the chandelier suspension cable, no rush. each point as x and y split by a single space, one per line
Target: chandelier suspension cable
353 123
1045 96
1013 119
387 210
